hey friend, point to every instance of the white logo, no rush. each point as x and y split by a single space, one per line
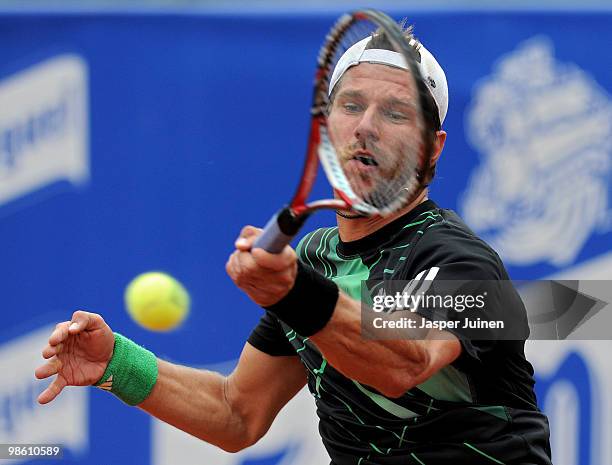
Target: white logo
544 131
43 127
22 420
409 298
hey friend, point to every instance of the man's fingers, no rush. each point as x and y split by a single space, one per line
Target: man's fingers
85 321
247 238
275 262
249 264
48 369
50 350
59 334
245 264
52 391
249 231
79 322
244 269
232 266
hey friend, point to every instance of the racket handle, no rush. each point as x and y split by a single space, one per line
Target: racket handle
279 231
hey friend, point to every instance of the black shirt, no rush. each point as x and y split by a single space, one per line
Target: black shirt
479 409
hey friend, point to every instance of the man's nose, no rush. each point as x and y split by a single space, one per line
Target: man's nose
368 126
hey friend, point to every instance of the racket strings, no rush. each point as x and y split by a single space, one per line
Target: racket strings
391 180
356 32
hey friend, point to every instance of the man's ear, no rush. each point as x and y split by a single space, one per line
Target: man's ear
438 146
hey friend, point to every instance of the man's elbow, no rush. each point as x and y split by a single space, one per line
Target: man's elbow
397 387
231 448
239 445
234 448
396 381
400 380
241 441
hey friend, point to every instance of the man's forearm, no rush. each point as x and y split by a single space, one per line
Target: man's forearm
391 366
197 402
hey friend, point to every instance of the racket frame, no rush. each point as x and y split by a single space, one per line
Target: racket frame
286 223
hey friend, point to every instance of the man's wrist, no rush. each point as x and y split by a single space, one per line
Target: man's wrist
310 303
131 372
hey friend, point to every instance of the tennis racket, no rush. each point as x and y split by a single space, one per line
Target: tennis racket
365 180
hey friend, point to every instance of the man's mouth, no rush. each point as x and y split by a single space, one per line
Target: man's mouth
361 170
365 159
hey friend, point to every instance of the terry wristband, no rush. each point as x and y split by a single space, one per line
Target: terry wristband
310 304
131 372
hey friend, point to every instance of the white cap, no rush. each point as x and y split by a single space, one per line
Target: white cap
432 72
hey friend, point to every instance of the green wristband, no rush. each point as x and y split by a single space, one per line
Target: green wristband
131 372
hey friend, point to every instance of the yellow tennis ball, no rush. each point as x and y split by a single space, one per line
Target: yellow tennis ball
157 301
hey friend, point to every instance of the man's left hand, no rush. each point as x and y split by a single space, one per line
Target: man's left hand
265 277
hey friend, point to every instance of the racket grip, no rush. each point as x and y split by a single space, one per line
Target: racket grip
279 231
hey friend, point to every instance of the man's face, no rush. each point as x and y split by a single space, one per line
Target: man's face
375 127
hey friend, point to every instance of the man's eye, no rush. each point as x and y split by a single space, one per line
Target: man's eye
352 107
396 116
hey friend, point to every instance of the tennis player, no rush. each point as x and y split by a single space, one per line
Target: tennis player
442 397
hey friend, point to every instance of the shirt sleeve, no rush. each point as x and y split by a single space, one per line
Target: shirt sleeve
269 338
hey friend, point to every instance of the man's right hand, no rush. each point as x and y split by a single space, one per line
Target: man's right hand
78 353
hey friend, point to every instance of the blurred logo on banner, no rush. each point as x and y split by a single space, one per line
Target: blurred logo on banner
293 439
544 131
573 385
22 420
44 125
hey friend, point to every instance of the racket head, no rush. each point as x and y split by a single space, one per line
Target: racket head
370 176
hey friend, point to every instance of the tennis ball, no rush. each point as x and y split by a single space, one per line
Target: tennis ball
157 301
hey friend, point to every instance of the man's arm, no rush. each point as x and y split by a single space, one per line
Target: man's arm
390 366
230 412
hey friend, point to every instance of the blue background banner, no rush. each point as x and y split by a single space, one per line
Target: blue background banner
156 137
